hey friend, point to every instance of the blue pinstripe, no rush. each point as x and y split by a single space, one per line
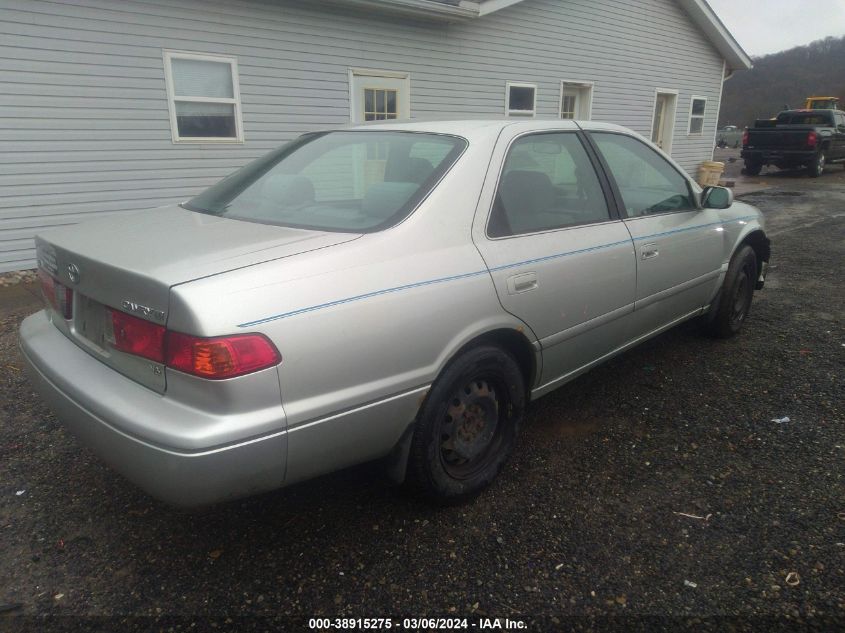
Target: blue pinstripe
441 280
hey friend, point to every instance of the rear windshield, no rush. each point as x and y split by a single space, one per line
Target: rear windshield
804 118
337 181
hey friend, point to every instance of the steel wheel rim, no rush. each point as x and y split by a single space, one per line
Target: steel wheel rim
470 429
821 163
741 298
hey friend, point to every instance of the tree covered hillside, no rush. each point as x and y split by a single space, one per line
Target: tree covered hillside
789 77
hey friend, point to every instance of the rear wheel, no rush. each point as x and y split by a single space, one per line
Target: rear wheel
753 168
816 168
737 292
467 426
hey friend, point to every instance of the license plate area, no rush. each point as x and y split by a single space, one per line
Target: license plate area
92 323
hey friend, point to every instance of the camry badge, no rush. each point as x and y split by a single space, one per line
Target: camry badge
144 311
73 273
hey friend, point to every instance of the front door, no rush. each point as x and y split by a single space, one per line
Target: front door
379 96
679 246
839 135
663 126
560 260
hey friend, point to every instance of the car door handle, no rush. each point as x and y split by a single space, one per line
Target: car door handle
522 283
649 251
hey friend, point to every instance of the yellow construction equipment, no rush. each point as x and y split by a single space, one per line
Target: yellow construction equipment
821 103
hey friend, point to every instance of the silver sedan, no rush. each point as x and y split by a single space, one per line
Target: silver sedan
397 291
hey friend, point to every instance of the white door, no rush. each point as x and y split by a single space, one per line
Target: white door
663 126
379 95
576 100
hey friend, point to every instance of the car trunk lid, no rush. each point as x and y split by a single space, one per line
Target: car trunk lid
129 263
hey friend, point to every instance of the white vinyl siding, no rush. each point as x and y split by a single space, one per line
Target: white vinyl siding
86 128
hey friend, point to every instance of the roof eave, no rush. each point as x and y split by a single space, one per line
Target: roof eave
465 10
699 11
707 20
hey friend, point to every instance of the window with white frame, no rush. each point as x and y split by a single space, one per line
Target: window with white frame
203 97
576 100
520 99
698 108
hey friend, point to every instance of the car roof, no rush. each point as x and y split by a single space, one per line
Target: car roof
469 128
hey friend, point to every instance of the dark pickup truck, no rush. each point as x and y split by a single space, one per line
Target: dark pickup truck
811 138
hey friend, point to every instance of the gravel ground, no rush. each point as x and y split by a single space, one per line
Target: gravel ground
654 491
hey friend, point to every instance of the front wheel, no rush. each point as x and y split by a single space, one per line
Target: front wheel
737 292
467 426
816 168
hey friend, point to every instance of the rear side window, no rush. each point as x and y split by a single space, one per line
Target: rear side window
804 118
547 183
648 183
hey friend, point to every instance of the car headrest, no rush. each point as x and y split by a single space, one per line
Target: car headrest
419 169
526 192
383 199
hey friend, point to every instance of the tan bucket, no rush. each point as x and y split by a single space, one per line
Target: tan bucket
710 172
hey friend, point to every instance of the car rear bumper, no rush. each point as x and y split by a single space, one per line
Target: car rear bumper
79 388
778 156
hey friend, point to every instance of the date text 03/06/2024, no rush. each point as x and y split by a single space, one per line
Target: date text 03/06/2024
415 624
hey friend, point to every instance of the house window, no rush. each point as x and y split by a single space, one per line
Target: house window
576 100
521 99
380 104
203 98
379 95
696 116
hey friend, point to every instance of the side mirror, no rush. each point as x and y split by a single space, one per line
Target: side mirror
841 127
717 198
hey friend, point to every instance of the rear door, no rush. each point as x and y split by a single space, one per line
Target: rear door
679 246
560 258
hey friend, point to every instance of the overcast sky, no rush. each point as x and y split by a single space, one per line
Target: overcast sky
769 26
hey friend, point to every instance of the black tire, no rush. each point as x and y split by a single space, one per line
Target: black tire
735 298
753 169
816 168
453 458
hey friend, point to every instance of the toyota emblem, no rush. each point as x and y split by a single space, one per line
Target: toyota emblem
73 273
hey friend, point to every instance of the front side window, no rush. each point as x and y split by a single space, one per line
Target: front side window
648 183
698 108
547 183
203 97
331 181
521 99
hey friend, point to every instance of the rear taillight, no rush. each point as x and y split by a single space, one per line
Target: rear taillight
745 137
58 296
220 357
812 139
137 336
214 358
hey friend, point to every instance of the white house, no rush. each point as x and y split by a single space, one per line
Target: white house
109 106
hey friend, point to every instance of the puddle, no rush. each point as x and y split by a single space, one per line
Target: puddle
778 194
